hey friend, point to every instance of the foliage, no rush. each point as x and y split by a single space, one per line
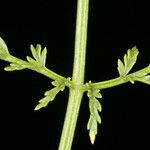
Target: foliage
51 94
95 107
129 61
37 63
76 85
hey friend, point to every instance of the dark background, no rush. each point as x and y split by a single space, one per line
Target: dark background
114 26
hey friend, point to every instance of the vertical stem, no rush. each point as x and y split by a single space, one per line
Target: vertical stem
76 93
80 41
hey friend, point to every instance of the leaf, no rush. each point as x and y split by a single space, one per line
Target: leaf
121 68
43 56
144 79
130 58
96 115
59 84
51 94
14 66
92 127
31 60
3 46
38 54
97 94
98 105
142 75
43 103
129 61
95 107
92 137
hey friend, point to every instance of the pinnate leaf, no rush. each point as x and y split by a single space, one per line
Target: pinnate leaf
14 66
142 75
39 55
95 107
129 61
144 79
51 94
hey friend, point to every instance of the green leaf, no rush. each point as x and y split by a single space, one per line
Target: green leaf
31 60
144 79
3 46
42 103
121 68
55 83
95 107
130 58
129 61
98 105
97 94
39 55
59 84
43 56
51 94
14 66
92 127
33 51
142 76
92 124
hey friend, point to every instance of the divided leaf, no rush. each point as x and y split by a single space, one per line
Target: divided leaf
51 94
14 66
95 107
3 46
3 50
129 61
144 79
39 55
142 75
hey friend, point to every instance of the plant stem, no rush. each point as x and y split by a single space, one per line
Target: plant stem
76 93
80 42
119 80
109 83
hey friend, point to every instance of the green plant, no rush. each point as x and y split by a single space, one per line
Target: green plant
76 84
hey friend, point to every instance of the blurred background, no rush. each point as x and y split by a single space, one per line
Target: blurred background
114 26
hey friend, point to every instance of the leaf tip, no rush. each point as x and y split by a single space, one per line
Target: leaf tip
92 137
37 107
31 46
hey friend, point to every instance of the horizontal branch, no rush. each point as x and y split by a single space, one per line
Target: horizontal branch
106 84
120 80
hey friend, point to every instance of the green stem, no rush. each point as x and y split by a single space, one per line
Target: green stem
109 83
80 42
76 93
118 80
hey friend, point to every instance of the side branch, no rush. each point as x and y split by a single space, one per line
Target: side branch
124 68
37 63
140 75
38 68
109 83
